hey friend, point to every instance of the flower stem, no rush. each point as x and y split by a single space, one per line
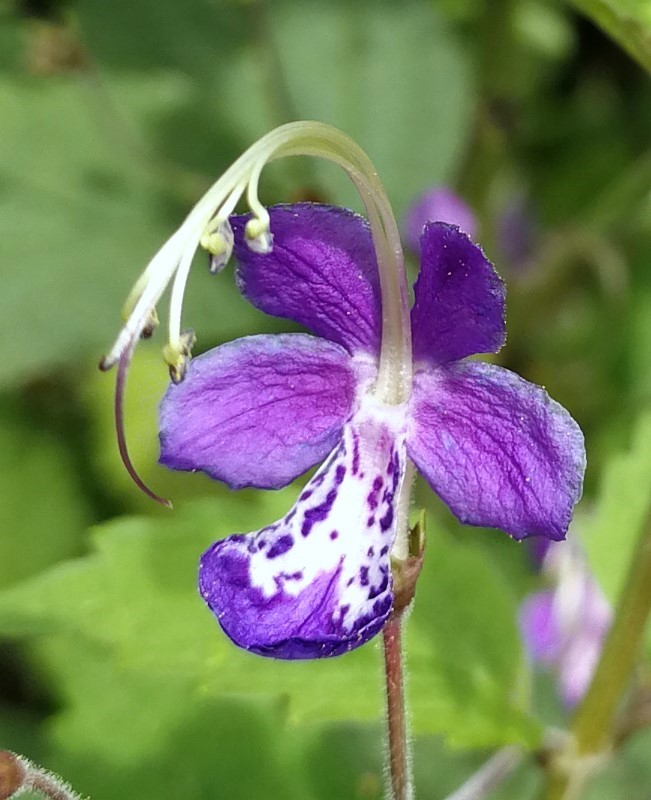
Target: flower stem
593 726
18 775
398 745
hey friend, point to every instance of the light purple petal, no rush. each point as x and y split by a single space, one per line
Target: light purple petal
576 667
322 273
538 627
260 410
496 449
316 583
437 205
458 299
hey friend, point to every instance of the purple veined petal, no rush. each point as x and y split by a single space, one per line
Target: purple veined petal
261 410
497 449
576 667
438 204
322 273
538 627
317 583
458 299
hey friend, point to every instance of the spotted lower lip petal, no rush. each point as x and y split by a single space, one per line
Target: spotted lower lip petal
316 583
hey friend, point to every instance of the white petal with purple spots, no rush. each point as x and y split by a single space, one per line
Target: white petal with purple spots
317 582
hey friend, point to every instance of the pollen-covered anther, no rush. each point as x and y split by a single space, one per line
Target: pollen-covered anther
258 236
150 325
218 242
177 355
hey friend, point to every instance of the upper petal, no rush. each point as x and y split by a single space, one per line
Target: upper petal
316 583
496 449
322 273
458 298
260 410
438 204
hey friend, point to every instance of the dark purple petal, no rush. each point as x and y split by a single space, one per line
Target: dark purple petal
538 627
496 449
322 273
260 410
437 205
316 583
458 299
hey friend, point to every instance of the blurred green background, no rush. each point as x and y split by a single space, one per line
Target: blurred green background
114 117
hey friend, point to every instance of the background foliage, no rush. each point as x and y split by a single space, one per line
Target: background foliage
113 118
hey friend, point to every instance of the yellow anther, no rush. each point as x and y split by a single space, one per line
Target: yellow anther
177 355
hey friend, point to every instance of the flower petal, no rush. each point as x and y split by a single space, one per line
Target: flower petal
538 627
496 449
322 273
438 204
458 299
260 410
316 583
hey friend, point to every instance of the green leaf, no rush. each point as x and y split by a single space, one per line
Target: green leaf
132 734
42 505
610 535
135 599
627 21
81 213
390 75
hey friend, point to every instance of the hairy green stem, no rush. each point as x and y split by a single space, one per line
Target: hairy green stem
398 745
594 723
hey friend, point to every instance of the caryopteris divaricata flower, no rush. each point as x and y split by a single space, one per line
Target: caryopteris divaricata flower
353 394
564 627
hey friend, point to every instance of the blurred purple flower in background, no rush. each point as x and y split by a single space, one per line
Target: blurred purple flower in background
261 410
516 232
438 204
564 627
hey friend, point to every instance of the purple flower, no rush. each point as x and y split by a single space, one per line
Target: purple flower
564 627
261 410
438 204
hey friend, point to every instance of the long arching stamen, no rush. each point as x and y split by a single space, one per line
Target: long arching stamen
120 386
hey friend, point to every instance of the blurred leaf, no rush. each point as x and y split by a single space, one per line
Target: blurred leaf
132 734
627 21
42 506
611 534
135 598
391 76
464 650
80 216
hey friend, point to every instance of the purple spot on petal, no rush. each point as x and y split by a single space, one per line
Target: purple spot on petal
306 495
318 513
355 454
377 590
340 474
370 522
371 552
334 534
281 546
363 576
387 519
384 550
